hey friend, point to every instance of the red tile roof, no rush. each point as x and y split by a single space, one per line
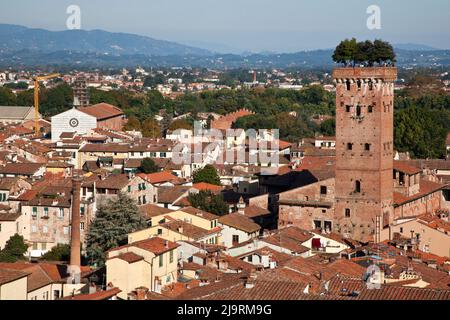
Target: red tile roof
207 186
37 278
102 111
403 166
159 177
9 275
426 188
130 257
155 245
99 295
239 221
152 210
200 213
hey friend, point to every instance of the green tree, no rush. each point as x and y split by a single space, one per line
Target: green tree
7 97
60 252
328 127
383 52
111 226
151 128
207 201
421 131
55 100
133 123
14 249
180 124
345 52
207 174
148 166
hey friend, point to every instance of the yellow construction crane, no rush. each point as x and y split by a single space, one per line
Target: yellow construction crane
36 99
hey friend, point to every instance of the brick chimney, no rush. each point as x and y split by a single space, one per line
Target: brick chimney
75 256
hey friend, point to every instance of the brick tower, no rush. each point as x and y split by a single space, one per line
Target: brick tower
364 151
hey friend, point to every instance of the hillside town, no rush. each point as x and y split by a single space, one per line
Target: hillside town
219 213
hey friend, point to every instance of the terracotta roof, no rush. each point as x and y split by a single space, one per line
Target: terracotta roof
155 245
435 222
158 177
435 164
207 186
99 295
171 194
21 168
9 275
345 286
200 213
102 111
403 166
130 257
7 183
188 229
317 163
9 216
105 147
183 202
426 188
255 211
113 181
152 210
37 278
240 222
27 195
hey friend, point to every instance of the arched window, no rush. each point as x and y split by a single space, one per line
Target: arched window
347 83
358 111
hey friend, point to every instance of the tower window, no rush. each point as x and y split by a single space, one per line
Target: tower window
347 108
370 109
358 111
347 212
347 83
357 186
359 84
367 146
370 85
349 146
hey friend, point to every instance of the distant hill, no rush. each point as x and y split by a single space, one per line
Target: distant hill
414 47
15 38
21 46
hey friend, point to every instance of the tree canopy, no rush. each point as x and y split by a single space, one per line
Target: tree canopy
207 201
207 174
14 249
148 166
111 226
351 53
60 252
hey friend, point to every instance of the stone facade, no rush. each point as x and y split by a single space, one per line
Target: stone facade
309 207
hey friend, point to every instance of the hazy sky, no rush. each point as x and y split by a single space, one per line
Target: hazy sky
254 25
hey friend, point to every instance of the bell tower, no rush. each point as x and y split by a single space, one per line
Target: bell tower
364 151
